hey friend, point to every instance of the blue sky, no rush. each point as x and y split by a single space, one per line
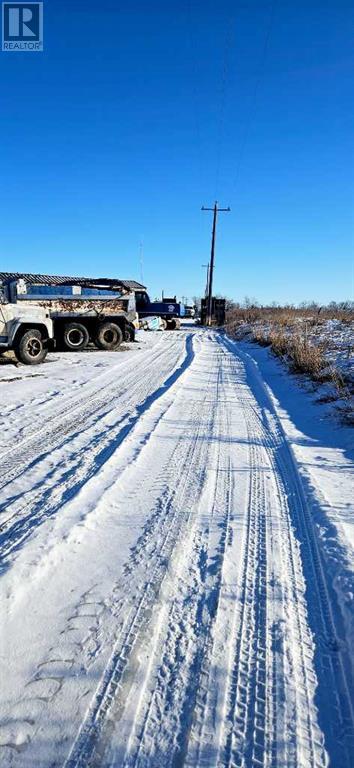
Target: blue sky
139 113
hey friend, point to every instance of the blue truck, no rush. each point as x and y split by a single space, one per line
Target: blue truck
169 309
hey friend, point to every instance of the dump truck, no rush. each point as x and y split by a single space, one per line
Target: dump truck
82 310
27 331
169 309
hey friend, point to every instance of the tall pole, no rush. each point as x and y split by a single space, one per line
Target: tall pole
207 267
211 272
215 210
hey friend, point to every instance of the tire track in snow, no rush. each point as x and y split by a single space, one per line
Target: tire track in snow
315 647
175 508
283 687
284 733
336 674
34 507
162 726
82 644
77 412
256 730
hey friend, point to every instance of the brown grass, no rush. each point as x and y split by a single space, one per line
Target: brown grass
306 358
291 334
288 316
301 356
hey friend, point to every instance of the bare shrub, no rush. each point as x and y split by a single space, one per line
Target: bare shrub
288 315
259 336
280 343
301 356
285 319
306 358
297 336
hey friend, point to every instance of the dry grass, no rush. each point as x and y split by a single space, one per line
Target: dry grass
288 316
301 356
308 359
300 337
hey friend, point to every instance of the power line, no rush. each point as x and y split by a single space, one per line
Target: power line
194 88
225 78
255 91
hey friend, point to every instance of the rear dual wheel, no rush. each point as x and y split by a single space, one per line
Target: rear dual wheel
109 336
76 337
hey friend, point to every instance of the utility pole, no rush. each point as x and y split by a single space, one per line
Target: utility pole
207 267
215 210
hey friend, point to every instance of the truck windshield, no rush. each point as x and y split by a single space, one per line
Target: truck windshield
141 299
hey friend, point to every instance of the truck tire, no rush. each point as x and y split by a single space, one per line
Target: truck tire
164 323
30 348
109 336
76 337
171 324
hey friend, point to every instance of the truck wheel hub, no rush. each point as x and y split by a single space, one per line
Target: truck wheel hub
75 337
109 336
33 347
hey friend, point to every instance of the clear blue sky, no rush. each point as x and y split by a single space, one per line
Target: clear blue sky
138 113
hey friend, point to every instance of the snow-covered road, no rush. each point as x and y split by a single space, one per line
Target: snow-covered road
176 575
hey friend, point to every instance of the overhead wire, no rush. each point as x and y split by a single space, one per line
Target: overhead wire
225 82
221 95
221 101
257 85
194 90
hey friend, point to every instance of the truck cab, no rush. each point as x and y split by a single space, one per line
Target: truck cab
170 310
27 331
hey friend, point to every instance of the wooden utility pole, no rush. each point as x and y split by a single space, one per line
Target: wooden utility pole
207 267
215 210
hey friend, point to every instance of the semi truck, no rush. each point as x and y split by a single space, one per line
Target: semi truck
81 310
169 309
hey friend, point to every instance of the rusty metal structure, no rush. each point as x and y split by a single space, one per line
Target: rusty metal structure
99 283
83 309
218 311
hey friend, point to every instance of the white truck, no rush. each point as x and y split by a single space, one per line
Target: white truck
82 310
27 331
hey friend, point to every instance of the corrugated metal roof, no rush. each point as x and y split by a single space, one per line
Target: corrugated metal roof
106 282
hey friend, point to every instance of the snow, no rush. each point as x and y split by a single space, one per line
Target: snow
177 559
